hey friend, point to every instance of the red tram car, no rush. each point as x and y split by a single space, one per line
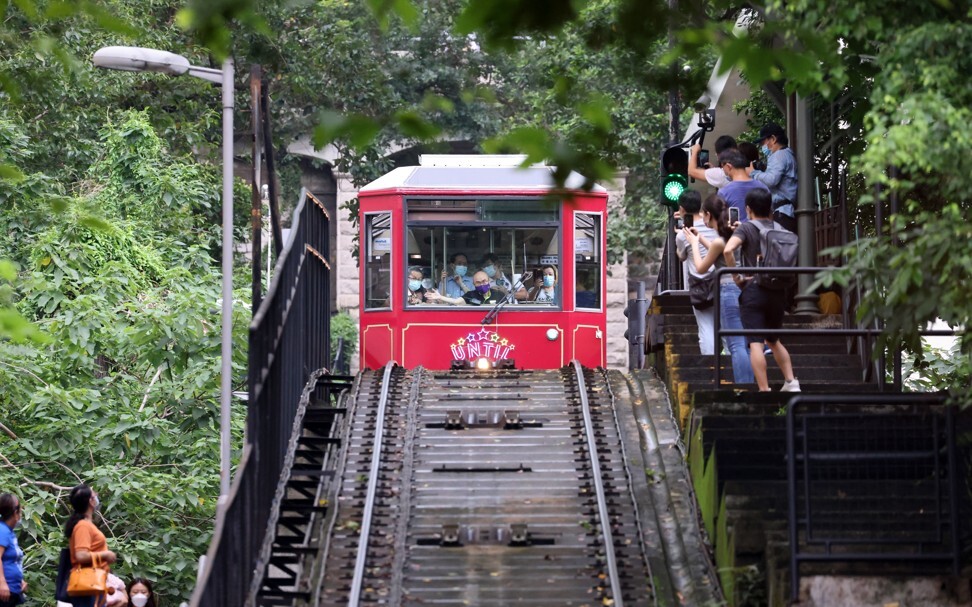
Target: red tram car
469 260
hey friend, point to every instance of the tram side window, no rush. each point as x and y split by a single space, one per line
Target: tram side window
378 261
444 260
587 260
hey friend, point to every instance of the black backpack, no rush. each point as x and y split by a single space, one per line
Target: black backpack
778 249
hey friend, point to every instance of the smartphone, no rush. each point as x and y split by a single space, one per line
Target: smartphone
733 215
678 223
703 158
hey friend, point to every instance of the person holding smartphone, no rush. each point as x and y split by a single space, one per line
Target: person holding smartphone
690 203
699 167
717 215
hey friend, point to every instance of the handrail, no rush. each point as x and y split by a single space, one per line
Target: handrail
289 340
921 414
719 332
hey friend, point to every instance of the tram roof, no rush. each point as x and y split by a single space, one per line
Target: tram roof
489 179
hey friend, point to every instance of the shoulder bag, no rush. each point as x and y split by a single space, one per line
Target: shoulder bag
88 581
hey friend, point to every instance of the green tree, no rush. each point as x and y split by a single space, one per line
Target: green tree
123 395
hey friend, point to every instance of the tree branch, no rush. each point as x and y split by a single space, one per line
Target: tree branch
8 431
48 485
28 372
158 373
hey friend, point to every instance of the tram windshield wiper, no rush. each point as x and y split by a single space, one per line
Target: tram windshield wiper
499 305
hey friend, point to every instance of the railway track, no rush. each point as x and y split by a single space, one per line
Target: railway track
496 488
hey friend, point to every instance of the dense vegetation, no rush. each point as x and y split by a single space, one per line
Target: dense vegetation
108 218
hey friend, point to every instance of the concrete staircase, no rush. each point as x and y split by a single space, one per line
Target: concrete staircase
736 440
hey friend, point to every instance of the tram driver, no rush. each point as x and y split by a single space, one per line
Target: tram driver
479 295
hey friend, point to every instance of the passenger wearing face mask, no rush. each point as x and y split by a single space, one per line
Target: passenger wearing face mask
87 544
417 286
12 584
546 290
455 279
140 593
481 293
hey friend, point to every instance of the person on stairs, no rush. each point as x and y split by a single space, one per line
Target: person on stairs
760 308
689 207
715 215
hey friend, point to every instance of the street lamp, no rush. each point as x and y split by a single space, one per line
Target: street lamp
135 59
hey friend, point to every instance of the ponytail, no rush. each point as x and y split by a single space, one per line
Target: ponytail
80 501
716 206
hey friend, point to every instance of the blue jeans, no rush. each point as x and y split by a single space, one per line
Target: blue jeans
729 318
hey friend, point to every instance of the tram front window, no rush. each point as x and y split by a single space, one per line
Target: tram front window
451 255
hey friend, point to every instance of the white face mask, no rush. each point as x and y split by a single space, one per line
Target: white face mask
140 600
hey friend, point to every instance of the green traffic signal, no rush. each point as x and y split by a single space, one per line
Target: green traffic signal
673 185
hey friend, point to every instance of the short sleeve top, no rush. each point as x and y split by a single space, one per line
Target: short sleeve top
87 537
13 559
748 233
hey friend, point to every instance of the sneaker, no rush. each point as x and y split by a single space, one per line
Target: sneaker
791 385
767 351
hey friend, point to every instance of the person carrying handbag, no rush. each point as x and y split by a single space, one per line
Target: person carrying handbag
87 544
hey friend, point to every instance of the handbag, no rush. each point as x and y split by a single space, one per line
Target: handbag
88 581
63 573
702 290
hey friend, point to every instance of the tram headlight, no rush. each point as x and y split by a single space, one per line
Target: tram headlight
553 334
483 364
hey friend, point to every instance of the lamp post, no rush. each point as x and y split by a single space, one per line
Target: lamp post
136 59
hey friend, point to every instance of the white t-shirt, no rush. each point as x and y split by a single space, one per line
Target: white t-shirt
716 177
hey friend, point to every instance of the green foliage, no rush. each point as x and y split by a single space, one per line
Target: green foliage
124 394
344 326
913 275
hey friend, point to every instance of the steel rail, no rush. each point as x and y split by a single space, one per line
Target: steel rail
359 564
602 508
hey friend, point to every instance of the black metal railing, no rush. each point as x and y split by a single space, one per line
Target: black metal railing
869 334
873 478
289 340
670 275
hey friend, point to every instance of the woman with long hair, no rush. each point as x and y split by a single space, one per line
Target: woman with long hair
715 214
12 584
86 542
141 593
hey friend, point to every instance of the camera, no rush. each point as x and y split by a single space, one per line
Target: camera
703 159
759 165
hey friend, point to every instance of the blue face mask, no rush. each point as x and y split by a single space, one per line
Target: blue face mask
484 289
414 285
548 280
490 270
460 270
765 150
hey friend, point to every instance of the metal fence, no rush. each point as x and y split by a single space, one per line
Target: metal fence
873 478
289 339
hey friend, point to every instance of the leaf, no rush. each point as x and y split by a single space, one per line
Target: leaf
9 172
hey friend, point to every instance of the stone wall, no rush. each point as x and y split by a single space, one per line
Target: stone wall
344 263
617 288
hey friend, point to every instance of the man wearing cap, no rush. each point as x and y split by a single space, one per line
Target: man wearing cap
780 175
